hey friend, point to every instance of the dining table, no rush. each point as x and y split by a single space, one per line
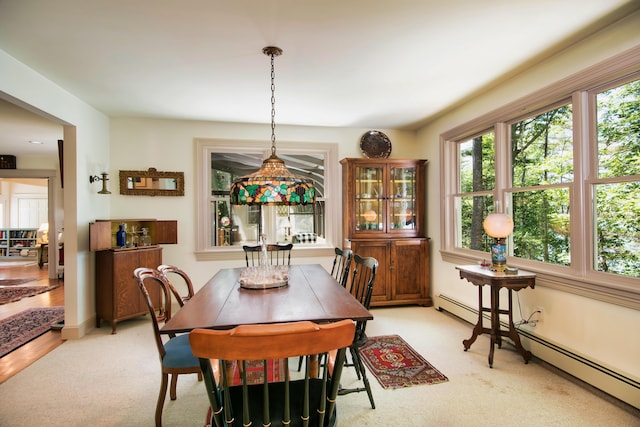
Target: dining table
311 294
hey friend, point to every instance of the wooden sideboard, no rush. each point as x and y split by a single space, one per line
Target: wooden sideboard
117 295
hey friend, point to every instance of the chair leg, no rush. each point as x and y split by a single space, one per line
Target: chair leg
174 386
161 396
353 361
360 366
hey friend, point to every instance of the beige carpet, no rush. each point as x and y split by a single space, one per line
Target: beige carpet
113 380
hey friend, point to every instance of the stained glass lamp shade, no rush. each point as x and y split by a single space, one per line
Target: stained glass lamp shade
272 184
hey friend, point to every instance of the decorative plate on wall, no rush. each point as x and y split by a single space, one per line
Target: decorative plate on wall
375 145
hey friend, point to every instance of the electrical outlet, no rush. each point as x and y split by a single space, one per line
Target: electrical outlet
540 312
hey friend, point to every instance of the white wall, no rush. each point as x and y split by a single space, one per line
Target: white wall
168 145
86 150
604 333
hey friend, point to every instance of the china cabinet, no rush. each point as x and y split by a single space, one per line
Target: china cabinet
383 217
117 294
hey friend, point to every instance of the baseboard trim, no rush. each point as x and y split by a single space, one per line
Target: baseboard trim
606 379
76 332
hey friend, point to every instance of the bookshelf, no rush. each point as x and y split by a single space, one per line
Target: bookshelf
18 243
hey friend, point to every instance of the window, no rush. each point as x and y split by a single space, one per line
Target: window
565 164
617 188
475 199
226 226
541 182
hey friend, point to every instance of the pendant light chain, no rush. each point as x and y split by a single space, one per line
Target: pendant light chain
273 106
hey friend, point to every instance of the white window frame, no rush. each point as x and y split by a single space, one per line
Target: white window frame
206 146
580 278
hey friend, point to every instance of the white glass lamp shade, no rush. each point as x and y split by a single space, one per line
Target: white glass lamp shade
498 225
42 234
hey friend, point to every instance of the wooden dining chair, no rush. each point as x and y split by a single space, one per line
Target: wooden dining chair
307 401
361 287
180 280
339 271
174 350
342 265
276 254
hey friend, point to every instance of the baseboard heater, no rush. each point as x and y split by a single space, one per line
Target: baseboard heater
601 377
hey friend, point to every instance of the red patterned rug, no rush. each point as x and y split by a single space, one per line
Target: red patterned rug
14 282
15 293
395 364
255 372
21 328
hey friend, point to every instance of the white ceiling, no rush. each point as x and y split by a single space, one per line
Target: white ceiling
361 63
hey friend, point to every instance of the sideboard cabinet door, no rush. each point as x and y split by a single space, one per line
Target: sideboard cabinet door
403 270
117 295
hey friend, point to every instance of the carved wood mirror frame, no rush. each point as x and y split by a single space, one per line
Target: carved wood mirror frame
147 183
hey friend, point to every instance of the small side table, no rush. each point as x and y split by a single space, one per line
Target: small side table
480 276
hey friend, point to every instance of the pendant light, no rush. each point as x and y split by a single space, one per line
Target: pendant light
272 184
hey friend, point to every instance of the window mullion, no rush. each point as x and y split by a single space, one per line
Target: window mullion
503 166
584 167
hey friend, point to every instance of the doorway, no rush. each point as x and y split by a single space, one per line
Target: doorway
29 206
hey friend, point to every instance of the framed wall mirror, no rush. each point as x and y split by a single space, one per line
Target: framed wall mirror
151 183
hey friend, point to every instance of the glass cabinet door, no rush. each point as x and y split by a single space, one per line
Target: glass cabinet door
402 198
369 192
383 198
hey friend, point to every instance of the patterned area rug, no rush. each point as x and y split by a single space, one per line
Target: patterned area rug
14 282
395 364
255 371
16 293
21 328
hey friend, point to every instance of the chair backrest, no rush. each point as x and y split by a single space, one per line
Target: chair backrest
361 286
172 272
342 265
151 282
275 403
276 254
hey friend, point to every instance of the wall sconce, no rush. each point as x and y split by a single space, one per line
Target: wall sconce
498 226
104 179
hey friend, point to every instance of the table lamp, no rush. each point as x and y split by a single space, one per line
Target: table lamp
43 233
498 226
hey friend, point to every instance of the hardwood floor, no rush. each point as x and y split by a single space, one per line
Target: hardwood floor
24 356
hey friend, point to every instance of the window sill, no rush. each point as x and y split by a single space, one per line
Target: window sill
231 253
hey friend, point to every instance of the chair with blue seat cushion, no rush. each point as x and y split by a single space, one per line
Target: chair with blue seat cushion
177 278
175 352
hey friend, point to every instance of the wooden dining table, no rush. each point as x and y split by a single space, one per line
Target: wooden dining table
311 294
